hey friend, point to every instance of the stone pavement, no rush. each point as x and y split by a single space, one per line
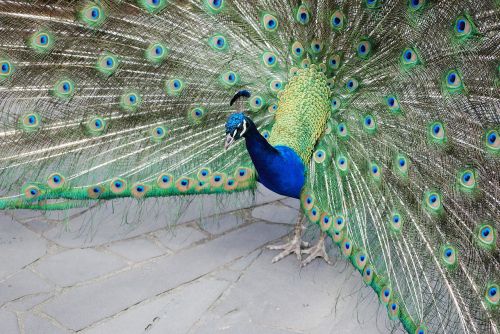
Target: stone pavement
125 268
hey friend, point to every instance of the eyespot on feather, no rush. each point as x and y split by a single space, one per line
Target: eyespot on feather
32 192
41 41
94 192
346 247
218 179
231 184
6 69
153 6
269 22
313 214
117 186
64 89
302 15
307 200
95 126
385 294
140 190
214 6
56 181
92 15
130 101
30 122
449 256
338 20
165 180
218 42
325 221
368 274
433 202
156 52
174 87
184 184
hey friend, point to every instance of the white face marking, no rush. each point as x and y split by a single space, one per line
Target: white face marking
230 137
244 128
229 141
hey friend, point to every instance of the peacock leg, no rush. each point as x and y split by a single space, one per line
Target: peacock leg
318 250
293 246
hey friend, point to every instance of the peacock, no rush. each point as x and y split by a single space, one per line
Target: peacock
381 116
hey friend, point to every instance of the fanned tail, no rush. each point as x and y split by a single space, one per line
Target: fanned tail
405 178
103 100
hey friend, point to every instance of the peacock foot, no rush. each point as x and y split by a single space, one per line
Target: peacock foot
294 246
318 250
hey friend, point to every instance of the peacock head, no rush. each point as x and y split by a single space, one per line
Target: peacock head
236 126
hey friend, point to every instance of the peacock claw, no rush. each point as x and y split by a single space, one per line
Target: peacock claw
318 250
293 246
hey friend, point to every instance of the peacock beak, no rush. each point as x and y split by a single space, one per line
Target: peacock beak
229 141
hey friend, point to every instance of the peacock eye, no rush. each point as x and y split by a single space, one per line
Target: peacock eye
269 22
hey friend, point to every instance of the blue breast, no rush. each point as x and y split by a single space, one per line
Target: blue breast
285 175
280 170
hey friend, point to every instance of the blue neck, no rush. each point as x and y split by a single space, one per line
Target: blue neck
279 168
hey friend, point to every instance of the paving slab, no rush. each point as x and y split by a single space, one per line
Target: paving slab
35 324
24 214
276 213
76 310
208 205
243 262
179 237
221 223
18 246
8 322
173 312
137 250
179 279
40 226
22 284
242 328
291 202
315 299
127 218
112 221
77 265
28 302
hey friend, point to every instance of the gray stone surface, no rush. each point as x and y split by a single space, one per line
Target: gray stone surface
76 310
24 215
137 250
179 238
291 202
8 322
127 218
28 302
173 312
77 265
242 328
276 213
22 284
206 272
18 246
40 226
297 300
34 324
112 221
221 223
